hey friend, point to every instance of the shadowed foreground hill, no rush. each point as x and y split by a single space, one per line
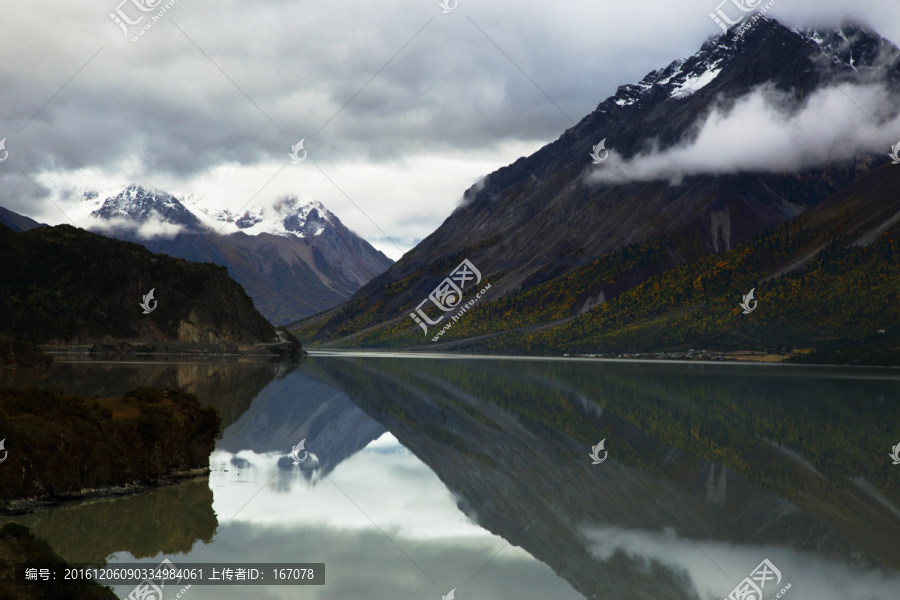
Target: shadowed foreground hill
63 447
67 286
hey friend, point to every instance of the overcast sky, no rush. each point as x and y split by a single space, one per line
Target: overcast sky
402 106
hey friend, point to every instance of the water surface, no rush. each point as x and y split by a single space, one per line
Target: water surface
427 474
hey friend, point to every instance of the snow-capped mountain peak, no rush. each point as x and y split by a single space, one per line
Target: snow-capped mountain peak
304 261
146 212
848 48
287 216
138 203
684 76
135 205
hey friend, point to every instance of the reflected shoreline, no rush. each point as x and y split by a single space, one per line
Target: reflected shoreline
88 531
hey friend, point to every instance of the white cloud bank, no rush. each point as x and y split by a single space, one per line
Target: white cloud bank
810 576
155 226
761 133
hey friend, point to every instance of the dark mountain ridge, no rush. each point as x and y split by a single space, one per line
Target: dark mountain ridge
67 286
537 220
828 279
536 198
17 222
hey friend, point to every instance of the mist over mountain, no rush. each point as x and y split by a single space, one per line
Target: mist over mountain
552 232
294 258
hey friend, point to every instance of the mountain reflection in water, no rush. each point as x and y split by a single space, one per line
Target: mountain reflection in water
425 475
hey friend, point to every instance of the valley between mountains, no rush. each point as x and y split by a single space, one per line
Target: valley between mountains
223 387
641 251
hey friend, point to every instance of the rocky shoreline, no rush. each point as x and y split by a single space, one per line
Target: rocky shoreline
22 506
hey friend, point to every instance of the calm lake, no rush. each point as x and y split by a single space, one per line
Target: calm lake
426 475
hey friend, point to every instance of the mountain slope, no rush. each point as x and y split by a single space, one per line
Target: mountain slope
819 282
294 258
829 279
538 220
66 285
17 222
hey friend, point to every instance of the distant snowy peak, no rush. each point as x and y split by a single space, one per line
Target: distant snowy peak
287 216
136 205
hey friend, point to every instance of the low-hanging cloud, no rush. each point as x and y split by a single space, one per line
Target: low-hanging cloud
155 226
764 132
714 568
